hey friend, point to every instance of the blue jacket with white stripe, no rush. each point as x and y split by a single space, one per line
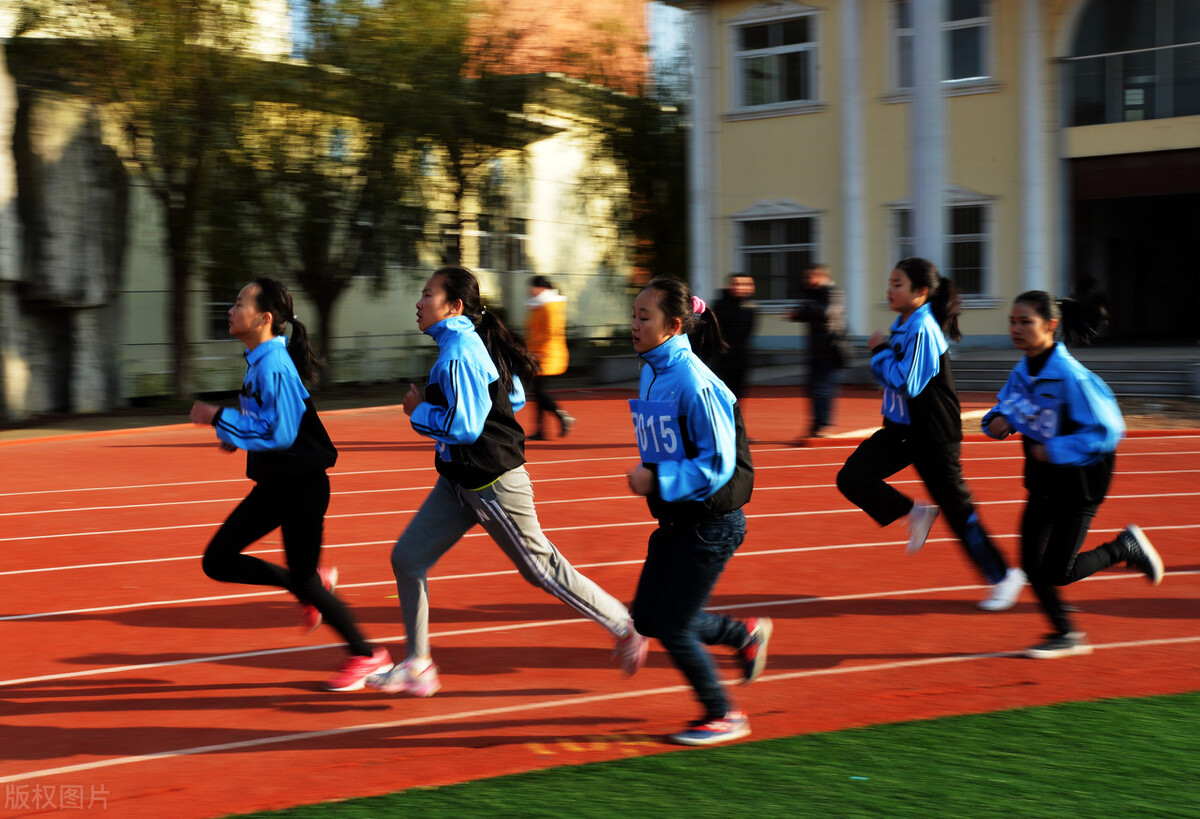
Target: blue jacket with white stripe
918 387
277 425
716 474
466 411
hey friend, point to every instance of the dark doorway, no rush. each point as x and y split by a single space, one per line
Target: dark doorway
1136 232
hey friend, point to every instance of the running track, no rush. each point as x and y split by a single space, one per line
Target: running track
132 683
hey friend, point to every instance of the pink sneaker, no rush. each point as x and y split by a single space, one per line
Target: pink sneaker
632 650
355 670
310 617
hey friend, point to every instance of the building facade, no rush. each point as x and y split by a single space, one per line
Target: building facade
1019 144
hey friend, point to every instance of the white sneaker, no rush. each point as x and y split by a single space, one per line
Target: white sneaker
920 521
1005 593
416 677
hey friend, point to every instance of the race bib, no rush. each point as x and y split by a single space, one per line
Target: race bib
895 408
1033 415
657 427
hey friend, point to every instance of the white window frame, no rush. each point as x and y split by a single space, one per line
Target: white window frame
765 15
963 85
901 246
776 211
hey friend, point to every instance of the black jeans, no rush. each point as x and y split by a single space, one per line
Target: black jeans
297 508
891 449
1052 533
542 397
683 562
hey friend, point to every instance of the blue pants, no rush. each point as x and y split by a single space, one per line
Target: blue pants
683 562
822 389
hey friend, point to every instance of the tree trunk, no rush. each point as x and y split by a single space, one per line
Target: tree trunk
324 335
181 340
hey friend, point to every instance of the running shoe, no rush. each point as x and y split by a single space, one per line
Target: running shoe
355 670
631 651
920 521
1005 593
1072 644
708 731
310 616
754 653
416 677
1140 555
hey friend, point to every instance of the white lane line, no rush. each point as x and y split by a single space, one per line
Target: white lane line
527 707
357 515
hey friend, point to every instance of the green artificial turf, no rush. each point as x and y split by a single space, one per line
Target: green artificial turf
1111 758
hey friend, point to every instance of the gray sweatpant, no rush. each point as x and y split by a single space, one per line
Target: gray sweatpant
505 510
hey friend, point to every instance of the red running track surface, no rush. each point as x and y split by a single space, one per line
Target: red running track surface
132 682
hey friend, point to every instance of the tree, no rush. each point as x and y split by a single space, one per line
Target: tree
165 75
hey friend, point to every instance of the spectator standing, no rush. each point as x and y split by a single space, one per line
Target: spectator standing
737 315
823 308
546 337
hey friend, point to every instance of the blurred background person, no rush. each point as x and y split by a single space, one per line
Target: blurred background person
823 307
737 315
546 337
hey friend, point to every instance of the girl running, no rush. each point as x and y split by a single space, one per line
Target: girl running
1070 425
922 427
696 475
287 453
467 409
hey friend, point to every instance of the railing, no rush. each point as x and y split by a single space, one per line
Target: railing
1127 86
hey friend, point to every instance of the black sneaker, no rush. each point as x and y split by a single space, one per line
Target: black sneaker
1071 644
1140 555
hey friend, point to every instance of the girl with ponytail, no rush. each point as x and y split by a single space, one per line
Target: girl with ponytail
922 427
467 408
287 454
696 475
1070 426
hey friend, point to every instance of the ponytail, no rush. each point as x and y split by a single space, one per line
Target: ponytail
943 299
700 324
1080 319
506 349
274 298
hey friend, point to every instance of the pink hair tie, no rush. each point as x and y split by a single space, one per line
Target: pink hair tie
698 305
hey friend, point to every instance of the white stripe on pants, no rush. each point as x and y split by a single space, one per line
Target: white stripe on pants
505 510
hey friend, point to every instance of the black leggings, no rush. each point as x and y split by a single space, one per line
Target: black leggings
298 510
1052 533
888 451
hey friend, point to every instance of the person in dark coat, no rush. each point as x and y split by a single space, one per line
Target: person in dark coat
737 316
824 309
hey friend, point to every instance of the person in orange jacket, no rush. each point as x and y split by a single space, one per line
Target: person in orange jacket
546 337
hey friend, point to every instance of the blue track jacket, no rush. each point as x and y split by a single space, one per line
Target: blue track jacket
278 425
714 474
1066 407
918 387
466 413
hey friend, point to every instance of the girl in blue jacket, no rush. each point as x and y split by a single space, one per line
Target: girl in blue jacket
287 453
467 408
1070 425
696 475
922 427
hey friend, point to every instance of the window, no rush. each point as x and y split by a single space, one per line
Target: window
451 246
776 62
1134 61
221 297
776 252
518 241
965 27
486 239
966 245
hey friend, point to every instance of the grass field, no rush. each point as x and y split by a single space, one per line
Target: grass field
1109 758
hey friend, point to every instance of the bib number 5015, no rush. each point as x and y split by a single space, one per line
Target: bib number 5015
657 428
